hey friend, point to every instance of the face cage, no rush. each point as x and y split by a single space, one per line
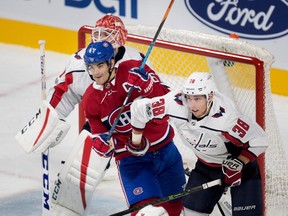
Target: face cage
100 34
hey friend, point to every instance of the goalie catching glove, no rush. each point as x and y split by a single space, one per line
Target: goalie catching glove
232 172
44 130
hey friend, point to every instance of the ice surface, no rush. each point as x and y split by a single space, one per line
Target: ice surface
20 173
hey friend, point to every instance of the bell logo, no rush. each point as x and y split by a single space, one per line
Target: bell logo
119 6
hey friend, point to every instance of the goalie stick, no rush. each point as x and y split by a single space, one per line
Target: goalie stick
171 197
141 67
45 154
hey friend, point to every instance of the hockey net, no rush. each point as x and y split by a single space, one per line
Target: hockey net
246 80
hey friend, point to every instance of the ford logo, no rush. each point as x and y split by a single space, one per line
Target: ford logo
251 19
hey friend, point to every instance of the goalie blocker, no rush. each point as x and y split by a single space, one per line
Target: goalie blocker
44 130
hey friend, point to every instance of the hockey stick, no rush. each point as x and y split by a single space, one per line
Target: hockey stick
45 154
141 67
171 197
187 172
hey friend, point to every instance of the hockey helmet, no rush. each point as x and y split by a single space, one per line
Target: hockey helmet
98 52
199 83
110 28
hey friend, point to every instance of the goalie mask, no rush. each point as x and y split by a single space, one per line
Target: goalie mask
200 83
110 28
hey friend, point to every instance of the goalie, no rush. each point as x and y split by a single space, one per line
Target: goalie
48 127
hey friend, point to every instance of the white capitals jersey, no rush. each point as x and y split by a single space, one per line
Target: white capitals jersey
206 137
72 83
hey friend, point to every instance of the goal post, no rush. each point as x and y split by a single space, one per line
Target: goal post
177 53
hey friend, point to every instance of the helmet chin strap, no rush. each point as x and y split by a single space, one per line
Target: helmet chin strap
209 104
111 68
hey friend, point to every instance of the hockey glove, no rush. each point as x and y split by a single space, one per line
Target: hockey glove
140 80
44 130
102 146
138 149
232 172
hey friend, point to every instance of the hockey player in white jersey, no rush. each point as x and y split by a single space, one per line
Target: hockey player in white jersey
226 143
49 127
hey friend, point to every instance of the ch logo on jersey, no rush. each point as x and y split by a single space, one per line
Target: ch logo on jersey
123 125
138 191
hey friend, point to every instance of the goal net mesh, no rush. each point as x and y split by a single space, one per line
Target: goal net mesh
177 53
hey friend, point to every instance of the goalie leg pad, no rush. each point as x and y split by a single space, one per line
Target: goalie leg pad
59 210
45 129
82 172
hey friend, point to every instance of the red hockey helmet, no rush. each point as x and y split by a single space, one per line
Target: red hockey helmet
110 28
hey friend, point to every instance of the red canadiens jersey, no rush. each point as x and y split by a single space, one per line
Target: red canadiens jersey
207 137
101 104
71 85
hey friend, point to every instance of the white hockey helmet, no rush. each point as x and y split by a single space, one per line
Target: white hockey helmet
199 83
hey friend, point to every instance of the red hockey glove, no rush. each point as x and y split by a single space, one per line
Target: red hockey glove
102 146
138 149
140 80
232 172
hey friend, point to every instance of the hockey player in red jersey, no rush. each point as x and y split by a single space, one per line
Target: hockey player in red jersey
150 167
72 83
61 100
226 143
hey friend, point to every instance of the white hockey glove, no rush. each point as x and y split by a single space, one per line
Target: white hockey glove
138 149
151 210
44 130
